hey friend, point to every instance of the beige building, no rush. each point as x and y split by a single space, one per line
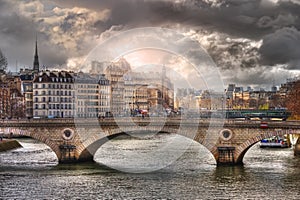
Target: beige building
115 72
104 96
86 95
144 91
135 90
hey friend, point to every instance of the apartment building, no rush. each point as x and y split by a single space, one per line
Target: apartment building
53 94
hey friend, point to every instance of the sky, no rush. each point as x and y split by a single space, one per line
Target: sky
252 42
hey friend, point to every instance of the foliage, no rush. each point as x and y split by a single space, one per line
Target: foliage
264 107
293 99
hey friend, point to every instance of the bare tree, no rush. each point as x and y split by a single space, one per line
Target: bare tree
292 100
3 61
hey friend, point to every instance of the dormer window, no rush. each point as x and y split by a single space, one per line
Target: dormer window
40 79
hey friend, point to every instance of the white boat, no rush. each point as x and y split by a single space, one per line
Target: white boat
274 142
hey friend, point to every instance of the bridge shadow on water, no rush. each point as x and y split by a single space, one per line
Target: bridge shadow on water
91 166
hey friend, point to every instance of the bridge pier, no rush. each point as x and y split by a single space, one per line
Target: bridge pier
297 150
226 156
75 160
68 154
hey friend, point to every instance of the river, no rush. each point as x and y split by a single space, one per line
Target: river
32 172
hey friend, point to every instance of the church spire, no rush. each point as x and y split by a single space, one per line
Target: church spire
36 65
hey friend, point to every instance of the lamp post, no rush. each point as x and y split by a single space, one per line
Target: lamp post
227 104
222 98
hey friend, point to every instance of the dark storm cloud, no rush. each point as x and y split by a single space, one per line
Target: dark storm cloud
252 19
13 26
282 46
236 17
17 39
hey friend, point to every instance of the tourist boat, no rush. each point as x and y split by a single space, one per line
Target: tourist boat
274 142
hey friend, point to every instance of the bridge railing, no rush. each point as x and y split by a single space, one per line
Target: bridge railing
284 124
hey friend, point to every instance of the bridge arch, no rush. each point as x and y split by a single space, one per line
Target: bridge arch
47 141
89 147
42 135
245 146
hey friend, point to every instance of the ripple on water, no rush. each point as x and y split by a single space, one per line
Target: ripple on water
32 172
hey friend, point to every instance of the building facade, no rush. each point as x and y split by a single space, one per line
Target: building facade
27 92
53 94
115 73
104 96
87 96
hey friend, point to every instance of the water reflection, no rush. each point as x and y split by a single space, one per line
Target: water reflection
33 172
150 154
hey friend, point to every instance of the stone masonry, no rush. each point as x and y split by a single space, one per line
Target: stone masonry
77 140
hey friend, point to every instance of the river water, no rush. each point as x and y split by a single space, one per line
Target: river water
32 172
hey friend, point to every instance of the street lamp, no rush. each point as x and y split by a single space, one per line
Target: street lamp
222 98
227 104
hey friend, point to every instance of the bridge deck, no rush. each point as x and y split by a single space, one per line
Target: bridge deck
147 122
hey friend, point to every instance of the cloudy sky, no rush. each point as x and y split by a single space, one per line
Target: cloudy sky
253 42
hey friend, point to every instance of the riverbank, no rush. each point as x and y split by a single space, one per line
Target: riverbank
6 145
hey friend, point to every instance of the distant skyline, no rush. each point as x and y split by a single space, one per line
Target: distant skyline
253 42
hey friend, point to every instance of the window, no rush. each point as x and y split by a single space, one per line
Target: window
43 92
36 106
44 99
43 86
36 93
36 99
44 106
50 99
49 92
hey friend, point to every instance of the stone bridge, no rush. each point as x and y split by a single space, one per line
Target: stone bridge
77 140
